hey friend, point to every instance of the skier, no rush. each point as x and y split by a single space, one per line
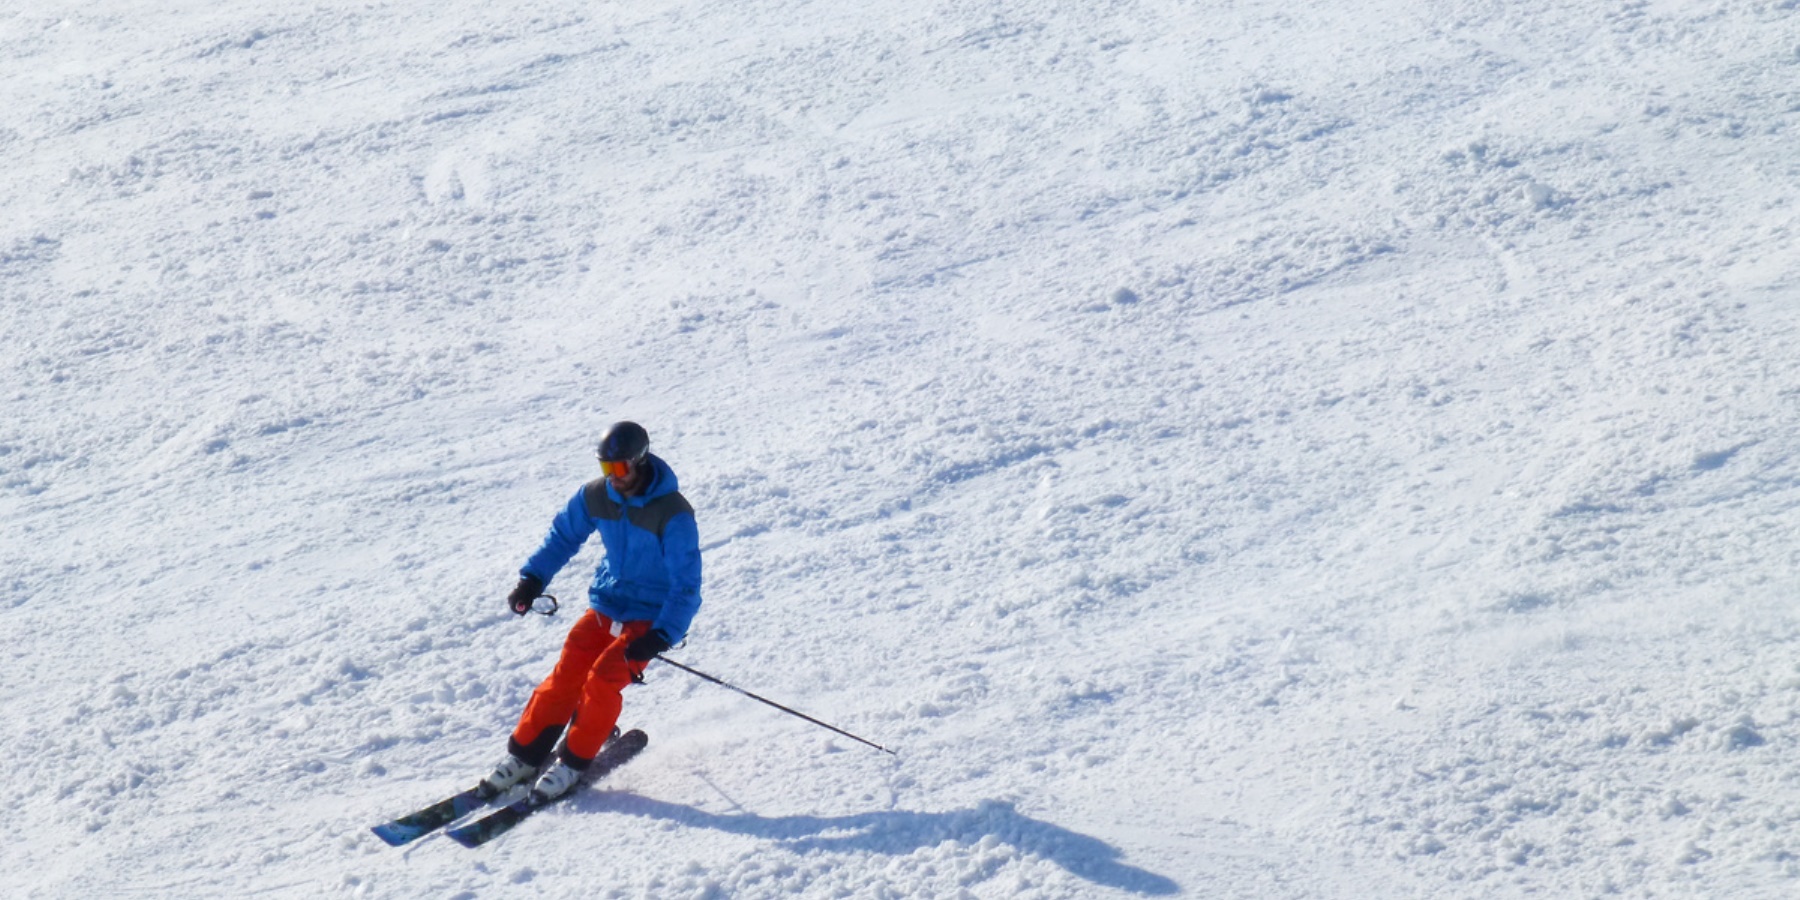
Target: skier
645 593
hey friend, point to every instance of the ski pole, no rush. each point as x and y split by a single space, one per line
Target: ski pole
791 712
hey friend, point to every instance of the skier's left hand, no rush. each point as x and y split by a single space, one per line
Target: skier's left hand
646 646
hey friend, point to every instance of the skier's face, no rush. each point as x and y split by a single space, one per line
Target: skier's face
623 475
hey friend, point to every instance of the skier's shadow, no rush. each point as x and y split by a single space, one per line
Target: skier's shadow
898 832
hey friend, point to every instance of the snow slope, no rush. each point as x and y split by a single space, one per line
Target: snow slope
1229 449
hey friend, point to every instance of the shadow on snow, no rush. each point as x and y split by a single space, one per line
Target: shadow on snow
900 832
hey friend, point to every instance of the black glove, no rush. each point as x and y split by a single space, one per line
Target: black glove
523 596
647 646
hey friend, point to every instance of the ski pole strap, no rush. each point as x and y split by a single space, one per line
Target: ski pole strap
796 713
554 606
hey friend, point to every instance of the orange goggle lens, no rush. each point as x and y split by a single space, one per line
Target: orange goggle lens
616 468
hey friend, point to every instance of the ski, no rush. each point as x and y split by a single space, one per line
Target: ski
411 827
616 753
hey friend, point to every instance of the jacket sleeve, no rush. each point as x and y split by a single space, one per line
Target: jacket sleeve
681 555
567 533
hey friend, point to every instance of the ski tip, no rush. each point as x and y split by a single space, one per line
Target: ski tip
464 838
392 836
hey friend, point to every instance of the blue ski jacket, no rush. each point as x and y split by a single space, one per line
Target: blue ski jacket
651 569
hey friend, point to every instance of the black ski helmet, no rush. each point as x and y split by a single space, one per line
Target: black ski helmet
624 441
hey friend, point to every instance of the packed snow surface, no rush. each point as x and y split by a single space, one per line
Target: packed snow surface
1228 449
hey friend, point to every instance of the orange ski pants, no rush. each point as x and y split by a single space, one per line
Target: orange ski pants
583 690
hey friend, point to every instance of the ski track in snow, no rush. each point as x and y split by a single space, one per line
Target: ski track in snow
1229 450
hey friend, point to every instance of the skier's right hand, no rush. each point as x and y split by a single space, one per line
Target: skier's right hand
525 594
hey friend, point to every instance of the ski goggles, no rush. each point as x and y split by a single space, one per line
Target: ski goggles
616 468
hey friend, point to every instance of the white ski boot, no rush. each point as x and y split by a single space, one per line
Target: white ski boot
509 772
556 781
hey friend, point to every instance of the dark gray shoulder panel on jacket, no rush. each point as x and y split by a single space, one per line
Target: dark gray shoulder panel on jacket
656 514
599 505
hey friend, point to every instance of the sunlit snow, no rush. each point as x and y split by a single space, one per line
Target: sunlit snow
1228 449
